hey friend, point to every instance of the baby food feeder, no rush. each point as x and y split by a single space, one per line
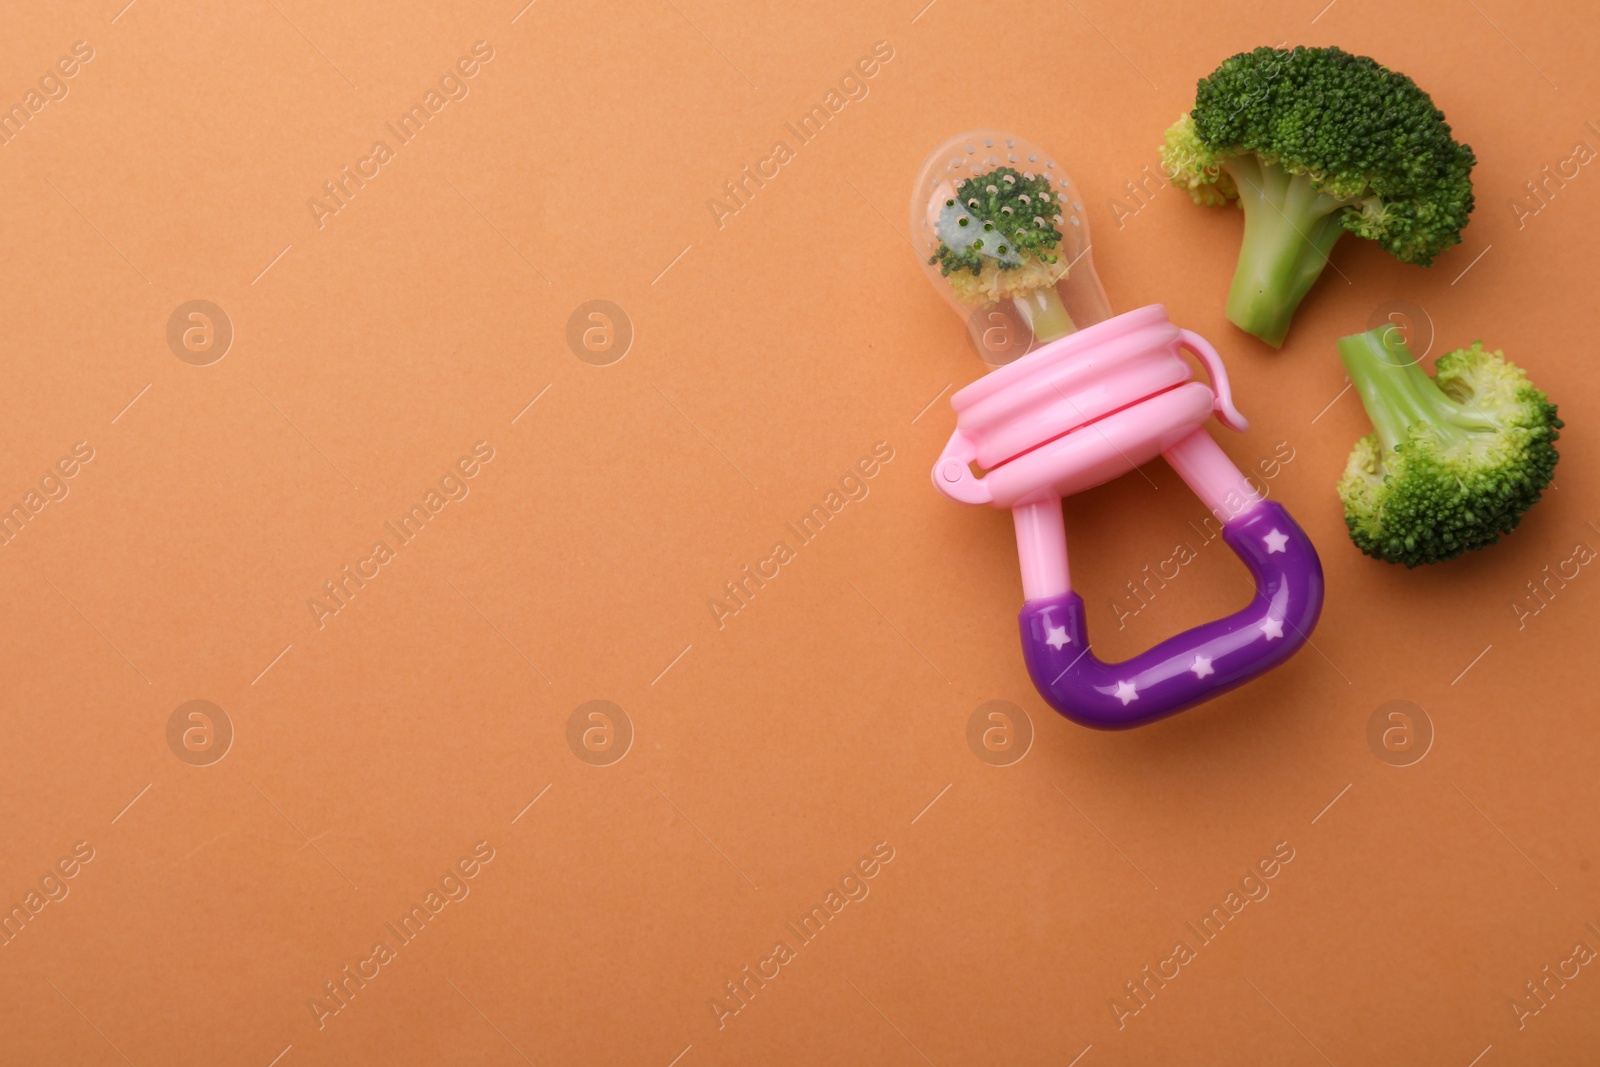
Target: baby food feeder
1098 396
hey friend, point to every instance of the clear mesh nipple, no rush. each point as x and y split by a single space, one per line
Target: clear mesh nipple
1001 233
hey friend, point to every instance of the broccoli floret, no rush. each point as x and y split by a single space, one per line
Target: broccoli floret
998 240
1455 459
1312 142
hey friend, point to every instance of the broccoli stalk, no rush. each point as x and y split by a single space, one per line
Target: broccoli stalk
1398 394
998 241
1289 228
1312 142
1043 312
1454 460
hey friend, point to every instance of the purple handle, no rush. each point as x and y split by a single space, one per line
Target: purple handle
1197 664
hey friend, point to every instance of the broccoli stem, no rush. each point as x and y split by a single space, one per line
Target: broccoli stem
1289 229
1044 314
1397 392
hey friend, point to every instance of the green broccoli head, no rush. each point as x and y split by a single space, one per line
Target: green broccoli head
1311 143
998 240
1454 460
1000 218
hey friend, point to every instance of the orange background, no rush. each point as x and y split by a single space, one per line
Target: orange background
769 755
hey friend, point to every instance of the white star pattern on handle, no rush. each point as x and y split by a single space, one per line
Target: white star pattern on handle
1202 667
1126 692
1057 636
1277 541
1272 628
